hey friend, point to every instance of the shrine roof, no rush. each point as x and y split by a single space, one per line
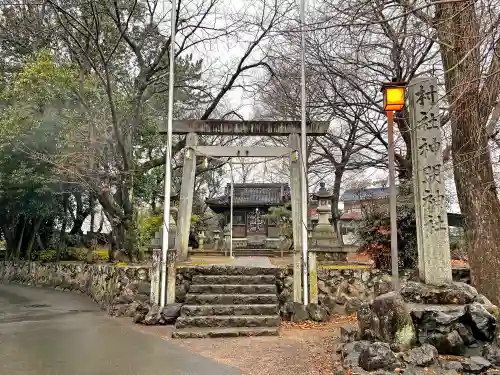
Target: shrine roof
253 194
245 128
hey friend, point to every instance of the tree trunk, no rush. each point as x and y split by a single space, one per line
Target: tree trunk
62 235
80 215
17 254
458 32
31 242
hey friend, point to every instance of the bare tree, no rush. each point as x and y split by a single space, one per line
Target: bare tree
124 46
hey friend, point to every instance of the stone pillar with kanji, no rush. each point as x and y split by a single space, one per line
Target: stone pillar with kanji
428 182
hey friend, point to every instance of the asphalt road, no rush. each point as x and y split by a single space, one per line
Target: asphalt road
47 332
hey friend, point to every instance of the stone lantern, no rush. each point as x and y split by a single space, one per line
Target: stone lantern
324 237
201 240
172 228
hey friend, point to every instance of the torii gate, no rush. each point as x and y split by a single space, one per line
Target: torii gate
244 128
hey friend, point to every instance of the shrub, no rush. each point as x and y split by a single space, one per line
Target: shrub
80 254
374 231
148 225
47 256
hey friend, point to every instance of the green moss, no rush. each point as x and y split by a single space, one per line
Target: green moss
121 264
405 335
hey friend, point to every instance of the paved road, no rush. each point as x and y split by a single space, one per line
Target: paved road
47 332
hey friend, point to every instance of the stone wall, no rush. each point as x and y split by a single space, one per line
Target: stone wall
341 291
118 290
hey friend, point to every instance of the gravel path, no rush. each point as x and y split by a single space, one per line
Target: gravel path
295 351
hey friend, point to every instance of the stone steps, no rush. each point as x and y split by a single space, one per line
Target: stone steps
225 270
234 279
200 310
232 289
228 321
225 301
230 299
200 333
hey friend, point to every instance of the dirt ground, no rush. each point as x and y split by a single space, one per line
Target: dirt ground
306 349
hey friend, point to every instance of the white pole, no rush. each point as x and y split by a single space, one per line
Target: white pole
168 158
303 145
231 210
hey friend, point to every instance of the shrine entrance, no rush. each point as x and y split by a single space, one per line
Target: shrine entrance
291 129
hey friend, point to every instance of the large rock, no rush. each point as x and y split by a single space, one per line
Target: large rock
377 356
446 343
451 365
295 311
483 324
348 333
449 294
475 365
383 285
352 305
492 354
388 320
171 312
317 313
424 356
153 316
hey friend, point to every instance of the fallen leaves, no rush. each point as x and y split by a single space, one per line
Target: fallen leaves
334 322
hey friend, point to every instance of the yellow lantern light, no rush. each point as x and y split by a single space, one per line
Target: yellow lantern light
394 96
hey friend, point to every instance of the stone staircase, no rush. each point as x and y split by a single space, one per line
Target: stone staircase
230 302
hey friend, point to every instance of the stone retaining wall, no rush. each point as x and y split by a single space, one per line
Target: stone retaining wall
118 290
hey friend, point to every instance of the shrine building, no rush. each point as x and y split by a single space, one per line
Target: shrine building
251 229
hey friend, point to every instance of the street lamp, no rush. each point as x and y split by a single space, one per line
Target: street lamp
394 100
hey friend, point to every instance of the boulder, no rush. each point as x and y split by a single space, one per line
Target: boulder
475 365
139 318
288 282
377 356
451 365
295 311
425 355
354 347
388 320
447 343
382 286
317 313
352 305
483 324
449 294
153 316
364 315
322 287
465 333
492 354
348 333
171 312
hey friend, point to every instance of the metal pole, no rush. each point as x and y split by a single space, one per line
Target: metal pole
393 198
303 145
231 210
168 158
